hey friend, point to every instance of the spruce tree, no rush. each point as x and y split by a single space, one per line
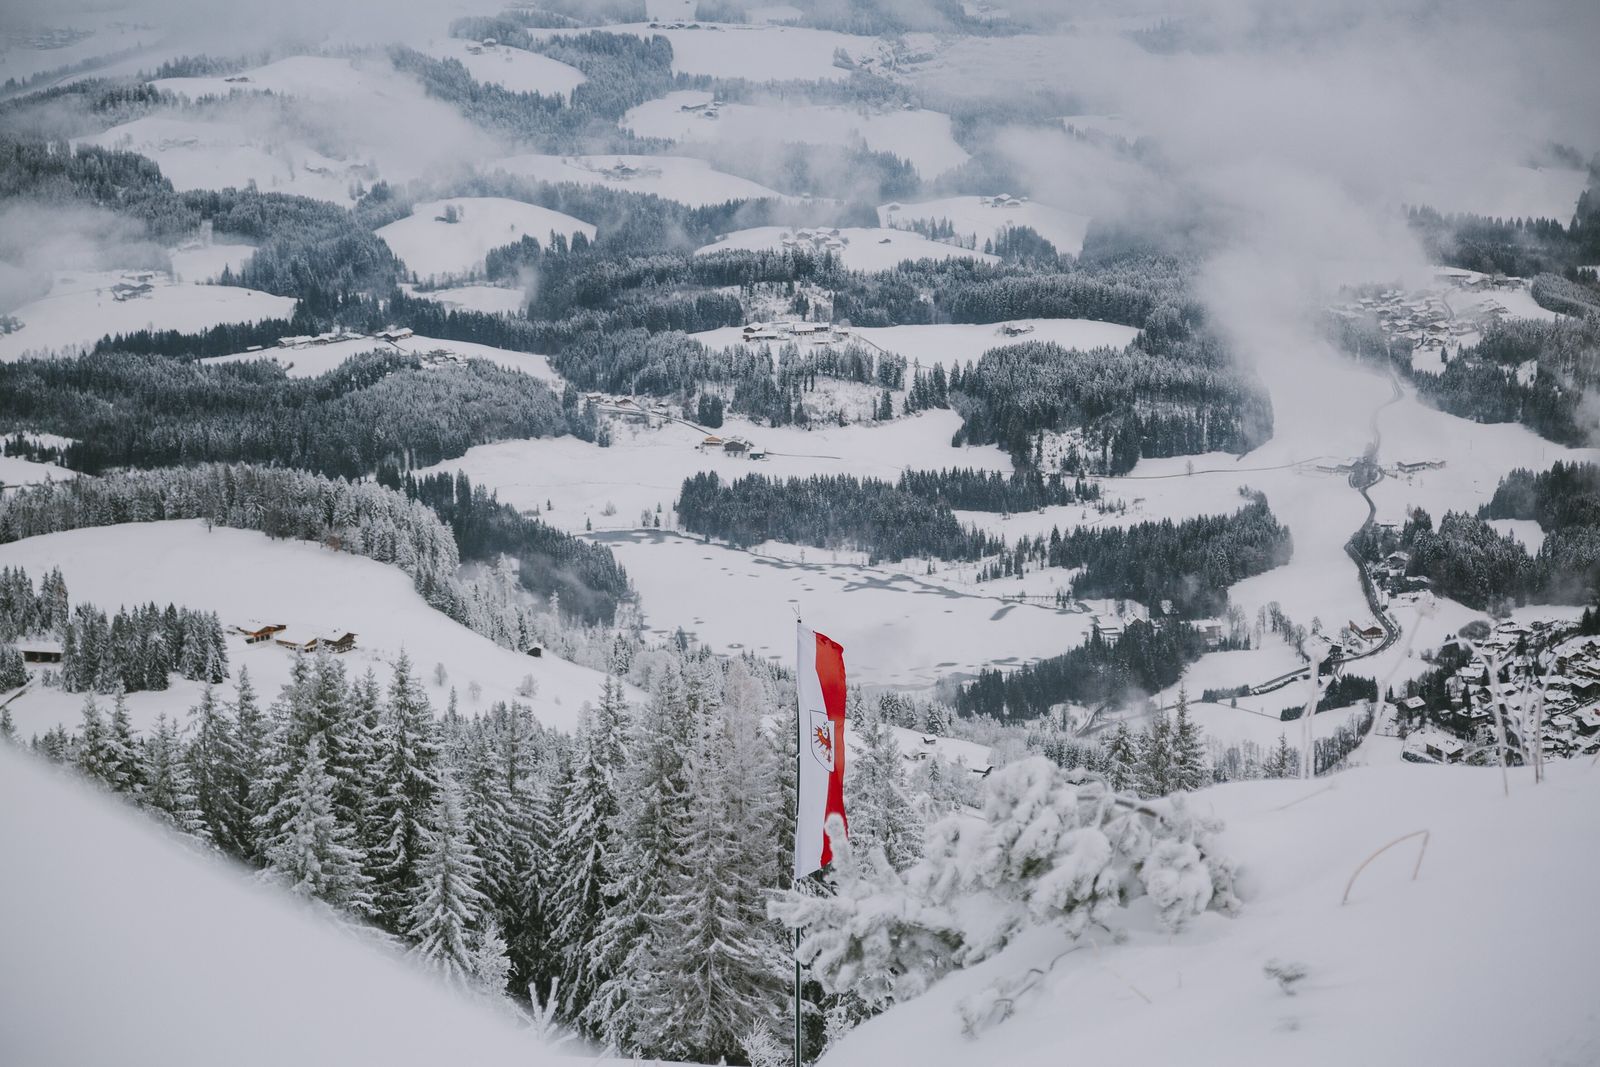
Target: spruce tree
212 762
1191 767
8 728
881 812
311 852
168 790
407 780
445 901
638 865
251 732
94 749
1122 757
590 805
1154 775
13 671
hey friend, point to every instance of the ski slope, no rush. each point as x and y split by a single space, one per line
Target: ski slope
686 180
81 308
126 944
432 247
1438 970
243 575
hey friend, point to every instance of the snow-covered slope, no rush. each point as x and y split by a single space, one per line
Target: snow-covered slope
760 53
1488 957
515 69
124 945
923 138
688 181
859 248
311 360
431 246
972 216
243 575
82 307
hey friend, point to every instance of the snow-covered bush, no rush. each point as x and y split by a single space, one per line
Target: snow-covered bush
1050 847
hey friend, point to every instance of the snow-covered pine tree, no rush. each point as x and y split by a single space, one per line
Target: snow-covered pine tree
311 851
407 782
715 971
1191 767
211 761
93 753
881 812
1122 757
491 967
8 728
445 901
590 807
639 864
129 772
167 789
251 732
1153 775
13 671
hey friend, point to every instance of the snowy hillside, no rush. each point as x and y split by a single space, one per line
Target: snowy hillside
982 218
242 575
444 237
1405 972
857 248
81 308
689 181
188 961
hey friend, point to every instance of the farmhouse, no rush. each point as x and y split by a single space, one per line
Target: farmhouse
40 650
303 642
255 631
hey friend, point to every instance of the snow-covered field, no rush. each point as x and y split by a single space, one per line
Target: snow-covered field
921 137
971 217
949 343
898 628
1393 976
14 470
1526 532
759 53
331 123
688 181
864 249
490 299
243 575
308 76
188 960
205 263
909 627
80 309
311 360
432 247
200 154
515 69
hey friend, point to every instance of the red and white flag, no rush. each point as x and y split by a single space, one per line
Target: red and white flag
819 676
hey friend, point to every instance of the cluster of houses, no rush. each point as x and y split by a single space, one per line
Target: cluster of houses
706 109
487 45
622 171
1391 577
391 335
302 642
133 286
1426 319
737 447
813 332
1538 661
823 240
1002 200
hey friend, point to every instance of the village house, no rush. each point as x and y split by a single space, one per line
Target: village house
39 650
256 631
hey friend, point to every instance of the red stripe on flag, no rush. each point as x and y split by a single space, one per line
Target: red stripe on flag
830 672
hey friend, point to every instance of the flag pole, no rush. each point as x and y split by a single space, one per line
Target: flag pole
798 1040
